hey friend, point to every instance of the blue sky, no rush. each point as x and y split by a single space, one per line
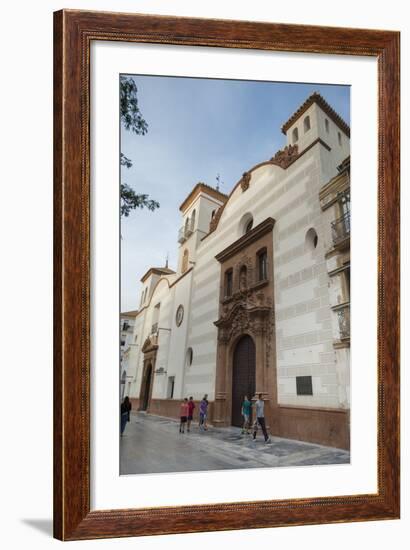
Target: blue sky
198 128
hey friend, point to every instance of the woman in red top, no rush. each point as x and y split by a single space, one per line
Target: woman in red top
184 415
191 407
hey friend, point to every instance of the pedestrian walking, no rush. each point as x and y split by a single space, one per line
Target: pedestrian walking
191 407
247 414
184 411
260 419
125 413
203 412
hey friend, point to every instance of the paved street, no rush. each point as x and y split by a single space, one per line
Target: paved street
153 444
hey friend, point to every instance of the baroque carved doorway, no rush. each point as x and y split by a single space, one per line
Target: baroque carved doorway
243 376
246 358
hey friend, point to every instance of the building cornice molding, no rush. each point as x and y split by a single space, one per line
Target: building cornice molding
157 271
250 237
204 188
215 222
326 108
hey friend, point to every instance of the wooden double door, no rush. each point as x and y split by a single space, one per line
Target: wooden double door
146 389
243 376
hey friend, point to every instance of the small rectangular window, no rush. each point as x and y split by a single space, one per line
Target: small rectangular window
304 385
347 283
263 265
228 283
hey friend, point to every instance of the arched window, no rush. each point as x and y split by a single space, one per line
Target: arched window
186 225
295 135
193 220
262 265
213 214
339 138
327 125
185 259
243 277
306 124
311 239
245 224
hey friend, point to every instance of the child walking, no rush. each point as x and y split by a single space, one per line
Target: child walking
184 411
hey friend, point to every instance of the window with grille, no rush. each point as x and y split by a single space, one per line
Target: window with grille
304 385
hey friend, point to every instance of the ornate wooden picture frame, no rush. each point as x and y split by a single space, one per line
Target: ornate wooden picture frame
74 33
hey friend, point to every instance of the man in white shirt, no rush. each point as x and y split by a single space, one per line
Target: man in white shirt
260 419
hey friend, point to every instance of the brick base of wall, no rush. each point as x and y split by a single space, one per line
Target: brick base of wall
170 408
329 427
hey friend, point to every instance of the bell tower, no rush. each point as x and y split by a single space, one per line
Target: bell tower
197 211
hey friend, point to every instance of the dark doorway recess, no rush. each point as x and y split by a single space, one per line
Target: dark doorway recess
243 376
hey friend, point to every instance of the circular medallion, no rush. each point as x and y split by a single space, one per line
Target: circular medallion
179 315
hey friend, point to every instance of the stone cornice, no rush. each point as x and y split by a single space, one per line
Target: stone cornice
204 188
326 108
250 237
294 158
157 271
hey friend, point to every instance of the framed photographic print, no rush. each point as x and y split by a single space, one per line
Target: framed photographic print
226 275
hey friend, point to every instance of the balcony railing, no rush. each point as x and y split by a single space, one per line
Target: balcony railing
181 235
185 231
341 229
343 316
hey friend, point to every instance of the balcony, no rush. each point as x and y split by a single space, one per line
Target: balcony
186 231
341 230
343 317
181 235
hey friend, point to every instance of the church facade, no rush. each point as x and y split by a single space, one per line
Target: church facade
259 301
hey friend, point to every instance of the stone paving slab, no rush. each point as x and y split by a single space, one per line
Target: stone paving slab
153 444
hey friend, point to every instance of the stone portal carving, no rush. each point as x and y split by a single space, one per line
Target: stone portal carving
286 156
246 178
249 310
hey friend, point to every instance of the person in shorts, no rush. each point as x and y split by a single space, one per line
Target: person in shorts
184 411
191 407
